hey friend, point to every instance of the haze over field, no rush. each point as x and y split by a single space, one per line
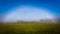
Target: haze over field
29 16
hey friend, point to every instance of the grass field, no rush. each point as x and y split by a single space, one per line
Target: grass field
29 28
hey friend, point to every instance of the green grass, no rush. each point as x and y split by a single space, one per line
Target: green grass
29 28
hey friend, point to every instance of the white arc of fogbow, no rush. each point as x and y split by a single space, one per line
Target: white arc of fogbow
28 14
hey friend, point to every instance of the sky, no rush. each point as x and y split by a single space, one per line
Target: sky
29 9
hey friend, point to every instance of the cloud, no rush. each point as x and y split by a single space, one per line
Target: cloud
28 14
